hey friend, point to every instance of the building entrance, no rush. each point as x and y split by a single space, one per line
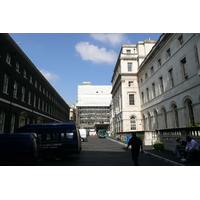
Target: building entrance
102 126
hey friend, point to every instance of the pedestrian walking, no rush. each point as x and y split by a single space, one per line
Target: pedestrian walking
136 145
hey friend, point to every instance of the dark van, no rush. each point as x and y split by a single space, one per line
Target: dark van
58 139
20 149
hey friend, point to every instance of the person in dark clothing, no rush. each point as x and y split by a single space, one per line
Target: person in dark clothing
136 145
180 148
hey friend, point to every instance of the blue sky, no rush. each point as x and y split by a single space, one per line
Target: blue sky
69 59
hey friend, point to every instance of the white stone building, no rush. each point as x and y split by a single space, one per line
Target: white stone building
125 107
169 82
93 106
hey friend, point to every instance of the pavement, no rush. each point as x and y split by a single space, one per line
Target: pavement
164 155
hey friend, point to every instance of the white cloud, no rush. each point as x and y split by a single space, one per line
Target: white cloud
50 76
111 38
95 54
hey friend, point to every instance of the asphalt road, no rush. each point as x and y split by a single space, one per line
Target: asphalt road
105 152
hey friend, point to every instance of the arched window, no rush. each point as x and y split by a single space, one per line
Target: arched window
149 121
133 123
2 121
175 115
164 117
190 113
156 120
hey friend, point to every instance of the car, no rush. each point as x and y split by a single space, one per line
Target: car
101 133
20 149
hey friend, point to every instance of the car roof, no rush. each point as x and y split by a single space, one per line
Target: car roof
50 124
4 135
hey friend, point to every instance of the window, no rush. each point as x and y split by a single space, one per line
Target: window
23 93
31 79
175 116
36 84
15 87
164 116
25 73
149 122
171 78
133 123
17 66
130 83
131 99
161 85
29 97
5 83
142 94
153 90
2 121
159 62
168 53
152 70
42 105
196 57
8 58
128 51
38 103
190 112
40 87
146 76
34 101
147 91
129 67
180 39
183 66
156 119
46 108
12 123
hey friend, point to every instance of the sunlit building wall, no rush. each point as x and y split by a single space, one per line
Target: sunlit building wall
126 108
169 82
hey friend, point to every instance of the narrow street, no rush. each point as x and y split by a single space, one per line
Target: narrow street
105 152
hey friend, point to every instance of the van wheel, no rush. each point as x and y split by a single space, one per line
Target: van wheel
58 155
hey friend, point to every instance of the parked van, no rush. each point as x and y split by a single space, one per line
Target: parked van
83 134
58 139
20 149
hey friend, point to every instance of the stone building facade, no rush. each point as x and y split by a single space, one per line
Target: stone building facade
126 108
169 82
161 88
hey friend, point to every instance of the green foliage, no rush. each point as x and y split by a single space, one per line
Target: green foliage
158 146
198 123
140 136
195 125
